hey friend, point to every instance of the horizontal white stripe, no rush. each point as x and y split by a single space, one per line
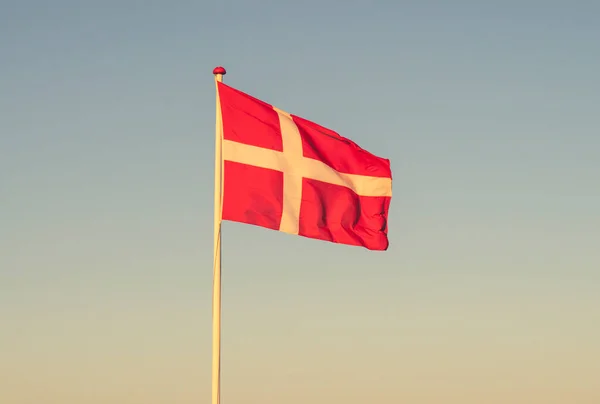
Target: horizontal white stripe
308 168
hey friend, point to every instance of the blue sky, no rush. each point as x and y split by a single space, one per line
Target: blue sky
487 111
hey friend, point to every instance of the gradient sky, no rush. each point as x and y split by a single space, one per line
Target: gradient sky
489 292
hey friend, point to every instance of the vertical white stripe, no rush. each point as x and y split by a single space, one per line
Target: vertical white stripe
292 174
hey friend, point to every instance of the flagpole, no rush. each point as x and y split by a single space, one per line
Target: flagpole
216 303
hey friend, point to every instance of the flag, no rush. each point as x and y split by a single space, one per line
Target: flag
285 173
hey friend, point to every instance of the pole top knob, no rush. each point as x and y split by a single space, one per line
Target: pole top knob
219 70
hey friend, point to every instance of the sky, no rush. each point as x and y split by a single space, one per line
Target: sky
488 293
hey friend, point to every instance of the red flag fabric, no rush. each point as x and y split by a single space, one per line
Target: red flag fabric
286 173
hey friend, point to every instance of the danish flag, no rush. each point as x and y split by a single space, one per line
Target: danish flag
286 173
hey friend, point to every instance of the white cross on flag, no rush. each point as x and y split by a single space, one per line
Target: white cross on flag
286 173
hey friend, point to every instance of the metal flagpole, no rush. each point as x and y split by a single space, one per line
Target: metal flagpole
216 304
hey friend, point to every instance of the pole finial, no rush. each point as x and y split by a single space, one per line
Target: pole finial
219 70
